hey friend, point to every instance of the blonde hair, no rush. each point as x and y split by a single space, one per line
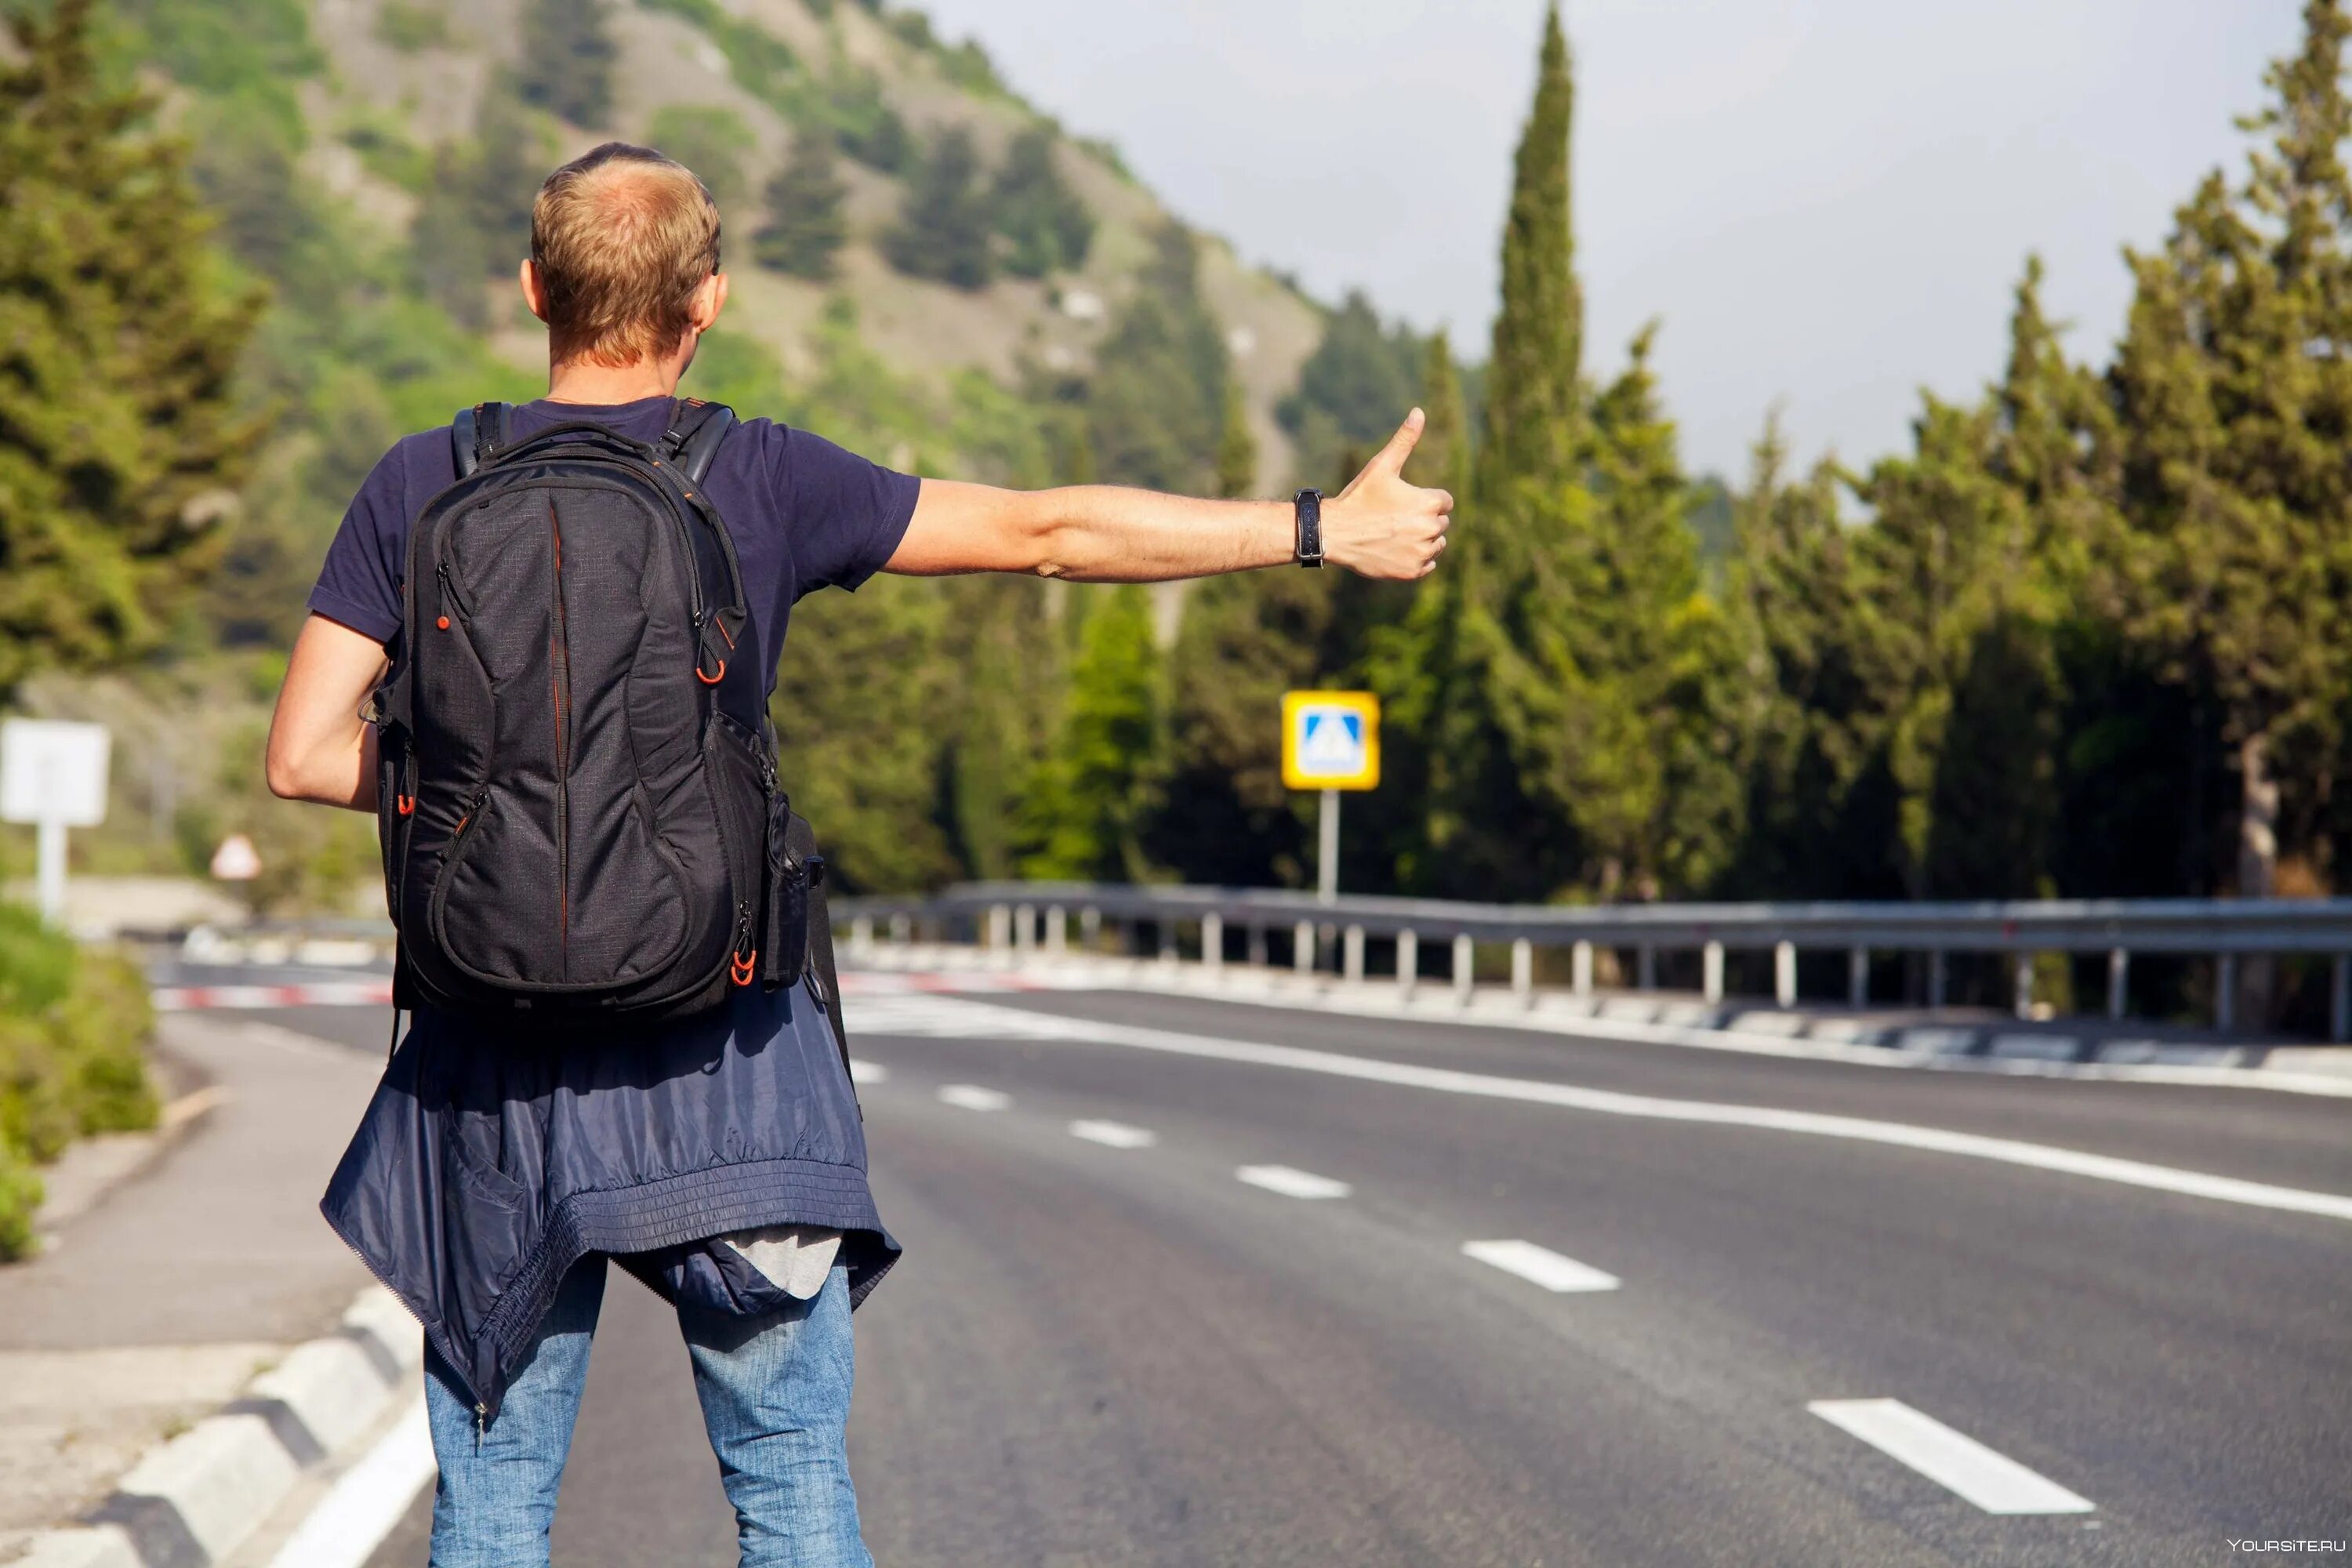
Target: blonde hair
620 238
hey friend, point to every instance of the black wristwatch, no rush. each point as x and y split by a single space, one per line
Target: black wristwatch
1309 506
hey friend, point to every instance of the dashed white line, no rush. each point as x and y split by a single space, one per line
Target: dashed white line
867 1072
979 1019
1292 1184
1541 1265
1114 1134
1994 1482
972 1096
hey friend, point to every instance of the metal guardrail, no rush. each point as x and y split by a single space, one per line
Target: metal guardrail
1030 914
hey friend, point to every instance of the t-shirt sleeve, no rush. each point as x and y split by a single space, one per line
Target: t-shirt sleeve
844 514
359 585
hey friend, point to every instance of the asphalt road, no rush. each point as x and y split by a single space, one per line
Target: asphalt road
1097 1353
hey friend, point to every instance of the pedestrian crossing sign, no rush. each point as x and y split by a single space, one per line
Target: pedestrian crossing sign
1330 740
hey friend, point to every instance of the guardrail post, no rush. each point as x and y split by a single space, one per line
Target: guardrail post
861 933
2118 982
1936 978
1408 957
1784 974
2339 999
1000 927
1461 970
1857 977
2024 985
1165 929
1646 968
1024 927
1523 970
1212 943
1710 971
1302 947
2225 991
1057 930
1090 929
1257 944
902 927
1352 950
1580 969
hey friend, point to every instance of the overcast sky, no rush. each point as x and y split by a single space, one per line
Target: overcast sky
1827 202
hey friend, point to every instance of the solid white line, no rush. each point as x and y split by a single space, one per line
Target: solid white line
1608 1102
1542 1265
972 1096
1292 1184
358 1510
1114 1134
1994 1482
867 1072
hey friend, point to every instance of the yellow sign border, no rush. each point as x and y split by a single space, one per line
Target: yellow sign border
1362 703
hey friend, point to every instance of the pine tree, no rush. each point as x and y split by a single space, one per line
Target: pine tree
708 139
1237 449
564 63
806 226
1155 404
942 232
1352 390
1532 378
120 440
1035 208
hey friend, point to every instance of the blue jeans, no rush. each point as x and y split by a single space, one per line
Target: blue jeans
775 1400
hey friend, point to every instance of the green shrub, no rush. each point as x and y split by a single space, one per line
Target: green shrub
73 1036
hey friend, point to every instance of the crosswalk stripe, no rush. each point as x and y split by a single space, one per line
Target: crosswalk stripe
972 1096
1993 1481
1540 1266
862 1071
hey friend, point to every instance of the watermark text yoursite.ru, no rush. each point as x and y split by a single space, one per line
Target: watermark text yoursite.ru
2237 1545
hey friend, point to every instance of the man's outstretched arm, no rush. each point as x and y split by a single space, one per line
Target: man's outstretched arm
1379 526
320 750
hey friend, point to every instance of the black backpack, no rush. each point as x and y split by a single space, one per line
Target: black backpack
578 797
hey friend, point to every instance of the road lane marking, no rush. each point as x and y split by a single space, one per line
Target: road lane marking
977 1020
1292 1184
1953 1460
972 1096
1541 1265
1114 1134
358 1510
867 1072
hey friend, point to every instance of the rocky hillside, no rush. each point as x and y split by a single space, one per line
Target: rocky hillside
394 80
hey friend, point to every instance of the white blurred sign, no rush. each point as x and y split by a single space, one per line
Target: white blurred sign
236 860
52 772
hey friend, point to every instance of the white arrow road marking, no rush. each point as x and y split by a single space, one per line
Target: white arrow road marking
1541 1265
1292 1184
1114 1134
972 1096
1994 1482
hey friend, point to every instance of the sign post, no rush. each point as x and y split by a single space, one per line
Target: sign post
1330 742
53 774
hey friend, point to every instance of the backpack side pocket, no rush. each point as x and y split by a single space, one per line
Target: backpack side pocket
783 938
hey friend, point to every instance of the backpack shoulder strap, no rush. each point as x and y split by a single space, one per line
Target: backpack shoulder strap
478 433
696 428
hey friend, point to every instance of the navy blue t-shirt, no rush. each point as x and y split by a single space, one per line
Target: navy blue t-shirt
804 515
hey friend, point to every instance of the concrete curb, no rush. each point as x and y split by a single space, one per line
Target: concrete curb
191 1500
1996 1045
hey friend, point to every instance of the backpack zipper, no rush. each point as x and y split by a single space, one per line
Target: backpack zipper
559 660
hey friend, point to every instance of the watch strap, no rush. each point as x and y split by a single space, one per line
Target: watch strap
1307 505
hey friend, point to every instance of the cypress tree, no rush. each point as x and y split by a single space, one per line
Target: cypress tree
1441 460
564 63
120 441
806 226
2233 385
1237 449
1531 376
1094 792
